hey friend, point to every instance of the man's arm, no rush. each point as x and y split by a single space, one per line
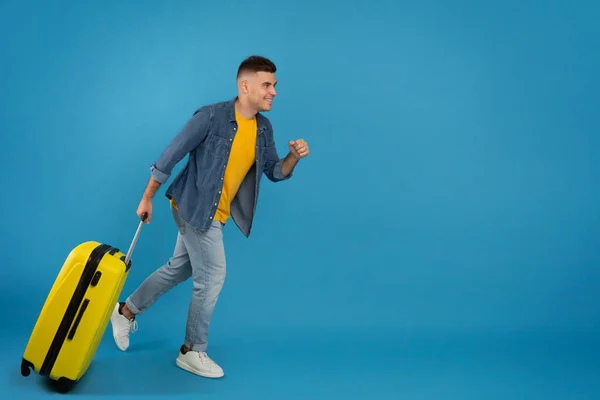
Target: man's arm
190 136
274 166
145 206
288 165
277 169
151 189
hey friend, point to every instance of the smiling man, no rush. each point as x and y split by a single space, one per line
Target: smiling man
230 146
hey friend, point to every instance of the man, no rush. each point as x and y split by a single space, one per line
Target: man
230 145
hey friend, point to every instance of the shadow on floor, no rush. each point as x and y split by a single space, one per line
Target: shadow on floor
149 369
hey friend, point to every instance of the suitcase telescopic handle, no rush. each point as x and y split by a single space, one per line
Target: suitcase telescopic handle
135 238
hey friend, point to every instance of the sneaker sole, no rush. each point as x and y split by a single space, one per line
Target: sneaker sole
194 371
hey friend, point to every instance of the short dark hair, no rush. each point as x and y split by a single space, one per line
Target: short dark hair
256 64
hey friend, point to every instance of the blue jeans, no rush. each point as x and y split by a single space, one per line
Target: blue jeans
199 255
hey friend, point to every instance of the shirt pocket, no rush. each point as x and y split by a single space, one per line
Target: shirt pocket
217 146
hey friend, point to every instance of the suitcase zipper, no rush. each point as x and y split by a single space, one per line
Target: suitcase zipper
71 312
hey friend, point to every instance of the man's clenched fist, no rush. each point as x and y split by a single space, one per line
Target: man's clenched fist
298 148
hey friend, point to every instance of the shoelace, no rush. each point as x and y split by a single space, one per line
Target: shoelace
204 358
133 325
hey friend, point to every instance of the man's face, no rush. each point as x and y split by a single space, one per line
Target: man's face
261 90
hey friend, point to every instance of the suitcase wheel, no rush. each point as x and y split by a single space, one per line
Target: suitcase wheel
26 367
63 385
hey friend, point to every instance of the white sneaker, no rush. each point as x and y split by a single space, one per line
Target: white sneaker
121 327
199 363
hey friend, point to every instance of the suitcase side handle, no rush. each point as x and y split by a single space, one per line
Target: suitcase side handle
135 239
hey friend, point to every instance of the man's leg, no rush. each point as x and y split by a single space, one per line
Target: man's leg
175 271
207 257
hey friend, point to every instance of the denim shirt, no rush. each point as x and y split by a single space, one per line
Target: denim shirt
207 137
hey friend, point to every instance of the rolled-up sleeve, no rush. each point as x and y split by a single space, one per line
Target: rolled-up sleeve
158 175
275 170
190 136
274 165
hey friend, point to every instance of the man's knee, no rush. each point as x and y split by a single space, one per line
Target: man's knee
174 272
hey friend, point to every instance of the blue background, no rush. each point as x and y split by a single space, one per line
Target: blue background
440 241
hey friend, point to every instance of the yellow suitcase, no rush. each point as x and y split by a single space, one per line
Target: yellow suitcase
76 312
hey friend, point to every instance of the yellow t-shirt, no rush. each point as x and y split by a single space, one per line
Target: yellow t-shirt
241 158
